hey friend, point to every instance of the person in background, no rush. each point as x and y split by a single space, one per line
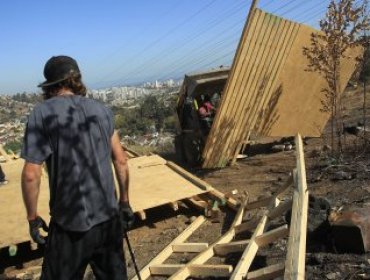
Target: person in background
206 114
75 136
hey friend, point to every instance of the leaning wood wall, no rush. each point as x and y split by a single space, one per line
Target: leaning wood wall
269 91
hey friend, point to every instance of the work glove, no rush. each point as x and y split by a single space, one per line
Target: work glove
127 215
35 226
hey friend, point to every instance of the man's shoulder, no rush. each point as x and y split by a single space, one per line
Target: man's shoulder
39 106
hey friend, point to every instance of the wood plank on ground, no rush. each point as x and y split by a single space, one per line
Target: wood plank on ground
152 183
155 182
295 262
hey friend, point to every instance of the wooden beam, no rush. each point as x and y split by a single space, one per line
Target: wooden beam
33 246
167 251
209 252
199 204
207 270
295 261
164 269
187 175
280 209
269 272
189 247
231 202
234 204
231 194
250 252
232 247
268 201
284 187
141 215
174 206
264 202
272 235
240 148
247 226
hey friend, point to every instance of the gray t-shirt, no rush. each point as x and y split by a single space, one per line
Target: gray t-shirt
72 134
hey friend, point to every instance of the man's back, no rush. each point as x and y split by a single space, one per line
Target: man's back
73 134
75 137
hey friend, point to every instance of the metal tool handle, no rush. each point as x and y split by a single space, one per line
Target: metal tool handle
132 255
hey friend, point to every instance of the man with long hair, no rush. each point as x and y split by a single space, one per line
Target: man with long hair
75 136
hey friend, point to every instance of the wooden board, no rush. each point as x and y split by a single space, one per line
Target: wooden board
152 183
269 89
296 256
13 217
302 90
263 50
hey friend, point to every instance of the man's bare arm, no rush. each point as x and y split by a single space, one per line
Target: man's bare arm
120 164
31 177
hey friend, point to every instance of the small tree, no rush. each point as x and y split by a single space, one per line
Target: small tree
340 31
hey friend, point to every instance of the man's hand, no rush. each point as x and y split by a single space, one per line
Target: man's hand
35 226
127 215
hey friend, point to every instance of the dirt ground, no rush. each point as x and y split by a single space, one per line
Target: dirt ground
259 175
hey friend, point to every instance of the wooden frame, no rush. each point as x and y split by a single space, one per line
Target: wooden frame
196 266
204 256
268 81
294 265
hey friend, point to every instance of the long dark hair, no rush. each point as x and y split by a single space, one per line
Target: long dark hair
74 83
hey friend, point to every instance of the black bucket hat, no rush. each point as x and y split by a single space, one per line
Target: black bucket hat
59 68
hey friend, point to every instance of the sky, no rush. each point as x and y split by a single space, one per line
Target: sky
121 42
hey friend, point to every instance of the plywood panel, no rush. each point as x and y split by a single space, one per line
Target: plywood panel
296 256
298 107
263 50
152 183
269 91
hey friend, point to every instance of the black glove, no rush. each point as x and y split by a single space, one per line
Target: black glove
35 226
127 215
